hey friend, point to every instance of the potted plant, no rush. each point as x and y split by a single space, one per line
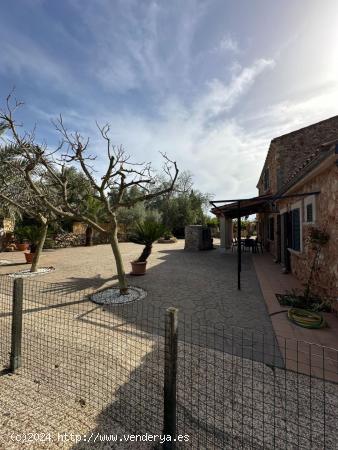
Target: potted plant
33 235
21 236
146 234
167 238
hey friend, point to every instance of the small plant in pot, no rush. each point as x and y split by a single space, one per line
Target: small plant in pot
146 234
33 235
22 238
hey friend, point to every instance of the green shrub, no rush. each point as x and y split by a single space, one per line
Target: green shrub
146 234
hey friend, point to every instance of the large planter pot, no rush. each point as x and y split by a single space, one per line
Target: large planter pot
138 268
29 257
22 247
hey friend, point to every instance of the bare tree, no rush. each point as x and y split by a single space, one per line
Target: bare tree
47 175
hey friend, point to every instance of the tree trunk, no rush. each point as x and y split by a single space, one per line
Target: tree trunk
89 236
39 247
118 259
146 253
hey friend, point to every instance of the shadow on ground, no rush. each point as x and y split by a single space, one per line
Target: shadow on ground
229 381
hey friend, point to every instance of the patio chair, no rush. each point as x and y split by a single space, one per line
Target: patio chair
248 244
234 244
258 247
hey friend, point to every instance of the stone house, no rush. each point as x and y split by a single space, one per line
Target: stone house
298 191
301 175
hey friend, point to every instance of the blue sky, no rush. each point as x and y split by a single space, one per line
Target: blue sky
208 82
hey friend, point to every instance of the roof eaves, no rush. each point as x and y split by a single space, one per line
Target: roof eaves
321 153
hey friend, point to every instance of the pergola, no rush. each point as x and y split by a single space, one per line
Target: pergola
241 207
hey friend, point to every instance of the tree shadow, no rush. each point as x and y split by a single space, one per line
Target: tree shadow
138 403
80 285
209 390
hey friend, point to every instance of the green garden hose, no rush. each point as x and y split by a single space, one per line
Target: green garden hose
306 319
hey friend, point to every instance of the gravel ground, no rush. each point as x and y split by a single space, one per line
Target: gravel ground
88 367
40 417
26 273
112 296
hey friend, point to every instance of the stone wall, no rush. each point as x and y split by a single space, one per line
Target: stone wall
197 238
290 151
326 211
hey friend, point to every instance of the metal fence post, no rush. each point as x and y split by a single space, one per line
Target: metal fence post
170 373
15 359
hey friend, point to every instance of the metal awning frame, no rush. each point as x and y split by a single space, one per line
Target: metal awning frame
239 215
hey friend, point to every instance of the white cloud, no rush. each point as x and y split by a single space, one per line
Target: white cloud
228 43
302 110
221 97
224 158
130 51
20 57
225 155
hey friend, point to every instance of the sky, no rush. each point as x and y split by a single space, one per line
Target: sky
209 82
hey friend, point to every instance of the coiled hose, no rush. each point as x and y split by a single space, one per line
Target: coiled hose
306 319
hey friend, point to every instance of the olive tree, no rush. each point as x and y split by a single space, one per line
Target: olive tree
17 196
52 188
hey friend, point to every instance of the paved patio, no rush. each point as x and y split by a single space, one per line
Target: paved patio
201 284
314 352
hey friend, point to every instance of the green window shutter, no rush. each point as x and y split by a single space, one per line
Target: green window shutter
271 229
309 212
296 229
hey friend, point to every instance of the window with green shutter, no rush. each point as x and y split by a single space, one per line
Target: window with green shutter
295 221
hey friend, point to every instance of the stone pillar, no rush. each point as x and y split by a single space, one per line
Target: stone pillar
228 233
222 231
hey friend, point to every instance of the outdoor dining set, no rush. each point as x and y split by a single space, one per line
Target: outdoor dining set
248 244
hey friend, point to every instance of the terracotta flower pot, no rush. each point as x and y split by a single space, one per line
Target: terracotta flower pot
22 247
29 257
138 268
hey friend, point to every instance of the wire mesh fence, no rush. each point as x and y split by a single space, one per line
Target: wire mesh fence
284 395
235 388
6 292
107 356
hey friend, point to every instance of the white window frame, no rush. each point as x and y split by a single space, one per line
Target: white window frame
298 205
311 199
